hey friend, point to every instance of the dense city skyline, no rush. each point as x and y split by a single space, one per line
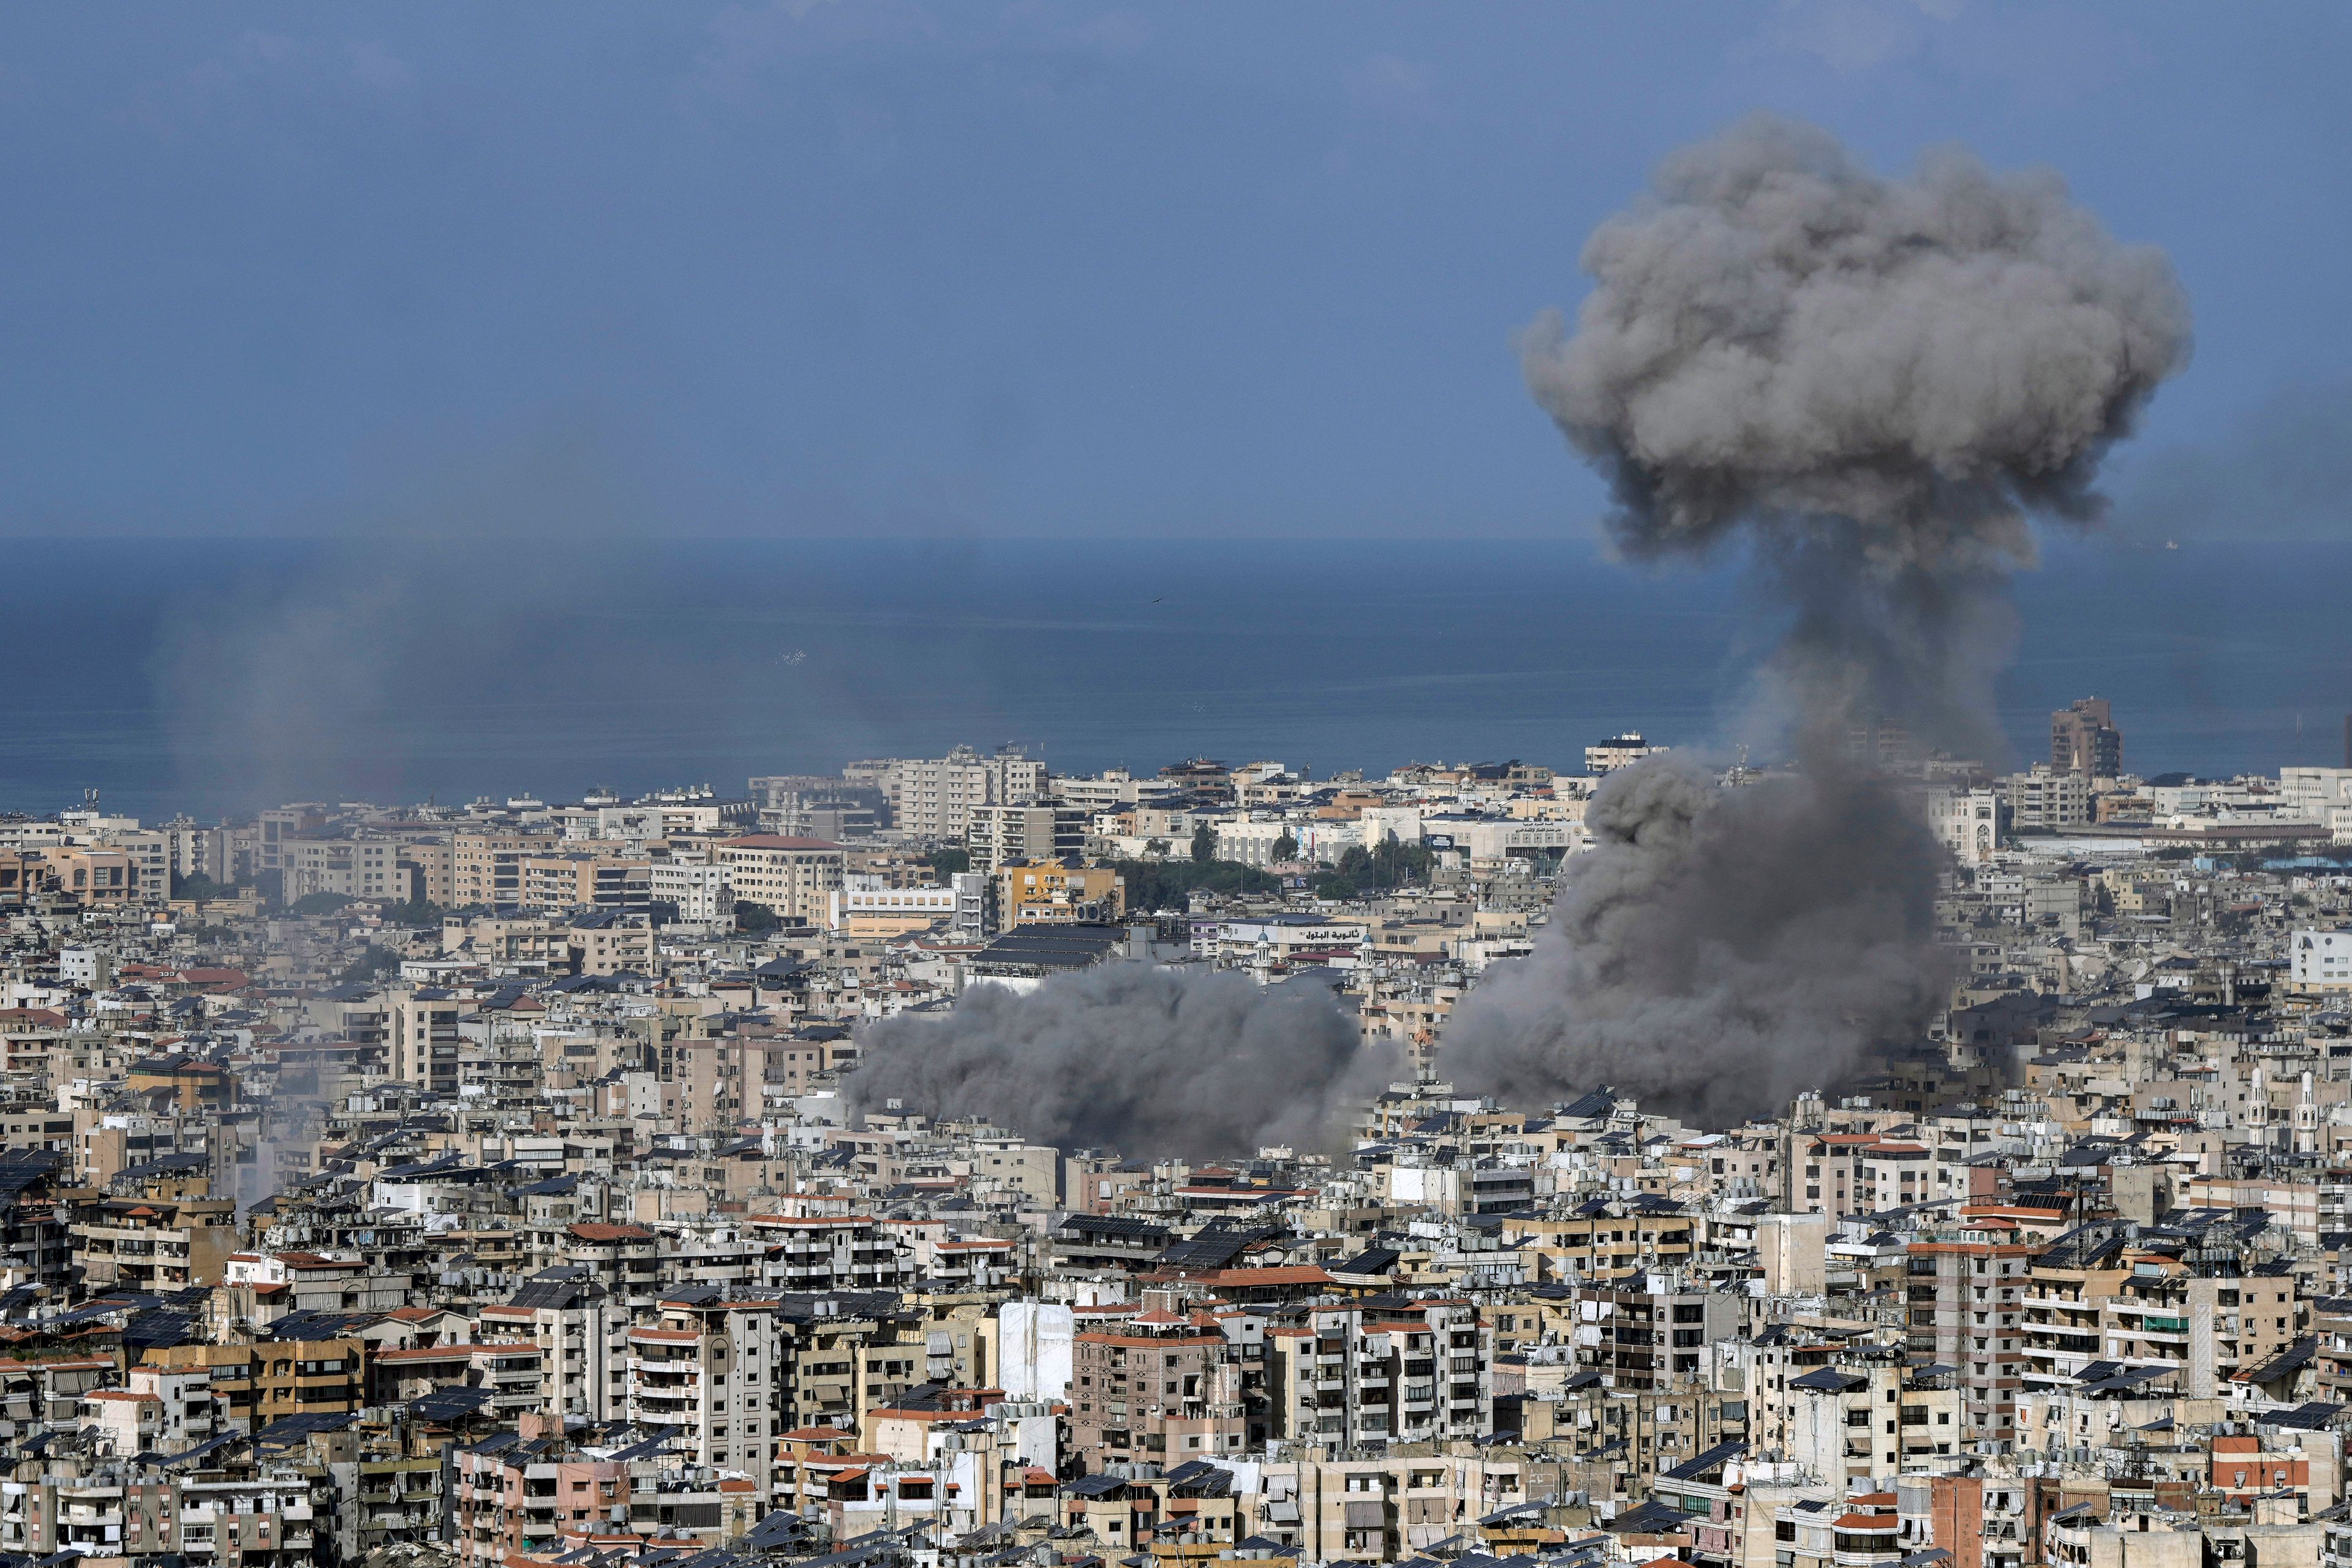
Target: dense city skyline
868 784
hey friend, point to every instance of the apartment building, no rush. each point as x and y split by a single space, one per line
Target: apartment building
1363 1506
571 880
2083 740
2044 798
821 1255
999 835
1603 1241
2320 960
274 827
701 895
1110 791
594 941
1056 892
353 867
933 798
484 867
154 1245
1619 750
864 908
736 1375
805 806
1365 1374
193 851
90 875
1966 1310
1860 1417
795 879
582 1333
511 1501
267 1379
1157 1388
150 850
421 1028
1650 1338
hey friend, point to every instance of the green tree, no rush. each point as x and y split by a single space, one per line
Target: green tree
1392 863
1156 884
1286 848
372 962
319 903
948 862
1205 844
755 918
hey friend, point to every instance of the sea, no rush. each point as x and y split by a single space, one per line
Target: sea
212 676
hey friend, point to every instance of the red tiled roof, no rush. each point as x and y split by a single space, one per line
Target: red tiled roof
1292 1274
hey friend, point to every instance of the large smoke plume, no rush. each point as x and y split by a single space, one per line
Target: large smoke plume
1877 383
1779 335
1143 1059
1719 949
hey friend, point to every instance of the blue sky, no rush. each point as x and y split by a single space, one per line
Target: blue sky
852 266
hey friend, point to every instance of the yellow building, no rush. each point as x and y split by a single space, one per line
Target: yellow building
1055 892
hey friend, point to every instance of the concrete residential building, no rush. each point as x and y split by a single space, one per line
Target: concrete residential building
2044 798
795 879
2320 960
997 835
865 908
2083 740
483 867
933 799
1388 1374
702 895
1160 1388
354 868
1056 892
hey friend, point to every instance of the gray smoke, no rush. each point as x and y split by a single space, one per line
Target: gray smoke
1875 384
1131 1057
1719 949
1779 337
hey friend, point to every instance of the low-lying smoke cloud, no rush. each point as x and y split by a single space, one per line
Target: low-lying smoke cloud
1130 1056
1718 950
1876 384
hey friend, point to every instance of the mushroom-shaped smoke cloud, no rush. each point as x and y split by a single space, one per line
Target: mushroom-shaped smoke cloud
1776 334
1877 382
